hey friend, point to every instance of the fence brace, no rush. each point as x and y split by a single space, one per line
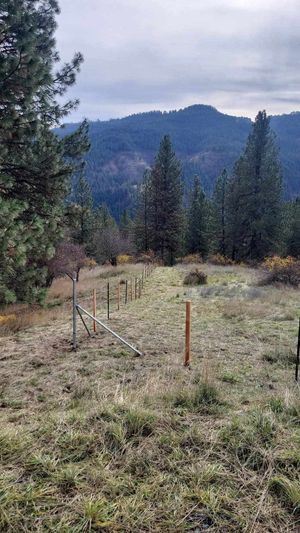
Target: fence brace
109 330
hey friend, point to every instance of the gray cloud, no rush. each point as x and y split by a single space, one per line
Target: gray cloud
238 55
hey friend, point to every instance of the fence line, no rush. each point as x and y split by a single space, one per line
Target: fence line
79 310
113 296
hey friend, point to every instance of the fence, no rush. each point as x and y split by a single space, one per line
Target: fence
112 297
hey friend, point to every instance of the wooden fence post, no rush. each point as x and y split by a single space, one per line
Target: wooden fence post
135 288
94 308
126 292
131 289
187 358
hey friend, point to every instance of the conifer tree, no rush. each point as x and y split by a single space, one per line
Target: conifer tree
197 223
220 214
255 189
104 218
84 207
141 222
35 164
126 225
165 205
293 247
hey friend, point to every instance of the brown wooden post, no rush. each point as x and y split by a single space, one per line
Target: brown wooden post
135 288
187 358
126 292
94 308
131 289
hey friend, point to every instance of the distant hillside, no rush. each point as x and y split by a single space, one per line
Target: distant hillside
204 139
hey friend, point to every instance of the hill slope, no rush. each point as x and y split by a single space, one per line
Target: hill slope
204 139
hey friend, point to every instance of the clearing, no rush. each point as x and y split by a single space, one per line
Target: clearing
101 440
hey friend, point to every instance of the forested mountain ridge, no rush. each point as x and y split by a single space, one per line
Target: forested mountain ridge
204 139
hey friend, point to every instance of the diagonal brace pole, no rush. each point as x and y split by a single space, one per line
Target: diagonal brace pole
83 321
109 330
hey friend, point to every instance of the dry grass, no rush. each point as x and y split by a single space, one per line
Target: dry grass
99 440
17 317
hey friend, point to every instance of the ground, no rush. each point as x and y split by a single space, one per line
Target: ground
102 440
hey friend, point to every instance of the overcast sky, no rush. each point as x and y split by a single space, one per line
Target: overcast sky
140 55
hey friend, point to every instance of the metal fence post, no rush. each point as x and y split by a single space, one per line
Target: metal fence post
108 300
74 313
298 355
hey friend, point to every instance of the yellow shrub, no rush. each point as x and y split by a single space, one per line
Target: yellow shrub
4 319
124 259
89 263
270 263
222 260
192 258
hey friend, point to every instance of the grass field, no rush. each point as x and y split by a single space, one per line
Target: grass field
101 440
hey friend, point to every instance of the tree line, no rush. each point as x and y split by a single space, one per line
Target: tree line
245 219
45 222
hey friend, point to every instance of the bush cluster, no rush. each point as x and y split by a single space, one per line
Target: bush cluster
195 277
275 262
221 260
288 275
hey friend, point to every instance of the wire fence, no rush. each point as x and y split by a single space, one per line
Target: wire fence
116 293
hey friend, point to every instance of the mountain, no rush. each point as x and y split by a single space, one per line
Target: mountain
204 139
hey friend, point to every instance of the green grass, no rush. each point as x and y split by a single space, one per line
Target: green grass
101 441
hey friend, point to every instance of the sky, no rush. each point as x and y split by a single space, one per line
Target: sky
140 55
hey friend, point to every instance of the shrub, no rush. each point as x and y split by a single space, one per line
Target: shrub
288 274
124 259
4 319
220 260
195 277
275 262
89 263
148 257
192 258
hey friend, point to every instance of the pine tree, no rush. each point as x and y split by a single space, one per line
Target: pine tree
141 222
104 218
126 225
165 203
220 214
197 221
84 204
35 164
255 202
293 247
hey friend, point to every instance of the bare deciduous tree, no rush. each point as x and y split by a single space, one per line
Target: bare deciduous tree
68 258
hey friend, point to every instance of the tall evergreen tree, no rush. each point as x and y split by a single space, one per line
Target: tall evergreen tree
220 214
197 221
85 216
293 247
255 190
126 225
35 165
165 206
104 218
141 222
